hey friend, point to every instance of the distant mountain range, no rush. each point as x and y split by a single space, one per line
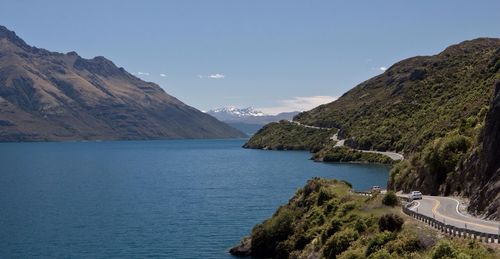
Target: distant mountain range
51 96
233 113
248 119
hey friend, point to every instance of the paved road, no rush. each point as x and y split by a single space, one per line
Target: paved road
446 209
392 155
340 143
309 126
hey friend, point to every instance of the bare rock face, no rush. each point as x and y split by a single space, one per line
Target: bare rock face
53 96
243 249
482 169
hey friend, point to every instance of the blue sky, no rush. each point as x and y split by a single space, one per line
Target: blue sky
274 55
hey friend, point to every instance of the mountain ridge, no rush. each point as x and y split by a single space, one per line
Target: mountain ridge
248 119
236 113
51 96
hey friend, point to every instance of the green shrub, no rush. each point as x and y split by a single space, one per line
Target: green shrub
381 254
281 225
316 218
372 222
443 155
352 254
334 226
262 243
378 242
390 199
360 225
266 236
339 242
346 207
331 206
390 222
444 250
312 185
323 196
404 244
399 171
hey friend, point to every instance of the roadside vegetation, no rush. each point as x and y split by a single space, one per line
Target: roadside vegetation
285 135
433 166
326 220
390 199
345 154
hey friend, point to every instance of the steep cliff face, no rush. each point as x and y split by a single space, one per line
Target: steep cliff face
480 175
53 96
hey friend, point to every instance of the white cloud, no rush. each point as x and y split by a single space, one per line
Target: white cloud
213 76
382 68
163 75
142 73
216 76
303 103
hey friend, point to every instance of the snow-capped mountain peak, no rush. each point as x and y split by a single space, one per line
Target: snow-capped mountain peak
234 112
248 119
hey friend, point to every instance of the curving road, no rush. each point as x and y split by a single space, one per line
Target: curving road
309 126
446 209
340 143
392 155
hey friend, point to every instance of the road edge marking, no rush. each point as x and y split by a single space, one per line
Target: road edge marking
434 210
469 216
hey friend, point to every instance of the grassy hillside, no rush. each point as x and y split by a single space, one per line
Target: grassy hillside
344 154
431 108
325 220
417 100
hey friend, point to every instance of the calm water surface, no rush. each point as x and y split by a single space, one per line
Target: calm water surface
174 199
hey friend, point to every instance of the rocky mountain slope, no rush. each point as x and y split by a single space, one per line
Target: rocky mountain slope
432 109
53 96
478 176
248 119
416 100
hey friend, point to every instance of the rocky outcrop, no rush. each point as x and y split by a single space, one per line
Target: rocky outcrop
54 96
243 249
480 175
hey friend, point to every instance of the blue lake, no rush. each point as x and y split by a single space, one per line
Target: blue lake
173 199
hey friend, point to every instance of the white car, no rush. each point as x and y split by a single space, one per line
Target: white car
415 195
376 188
